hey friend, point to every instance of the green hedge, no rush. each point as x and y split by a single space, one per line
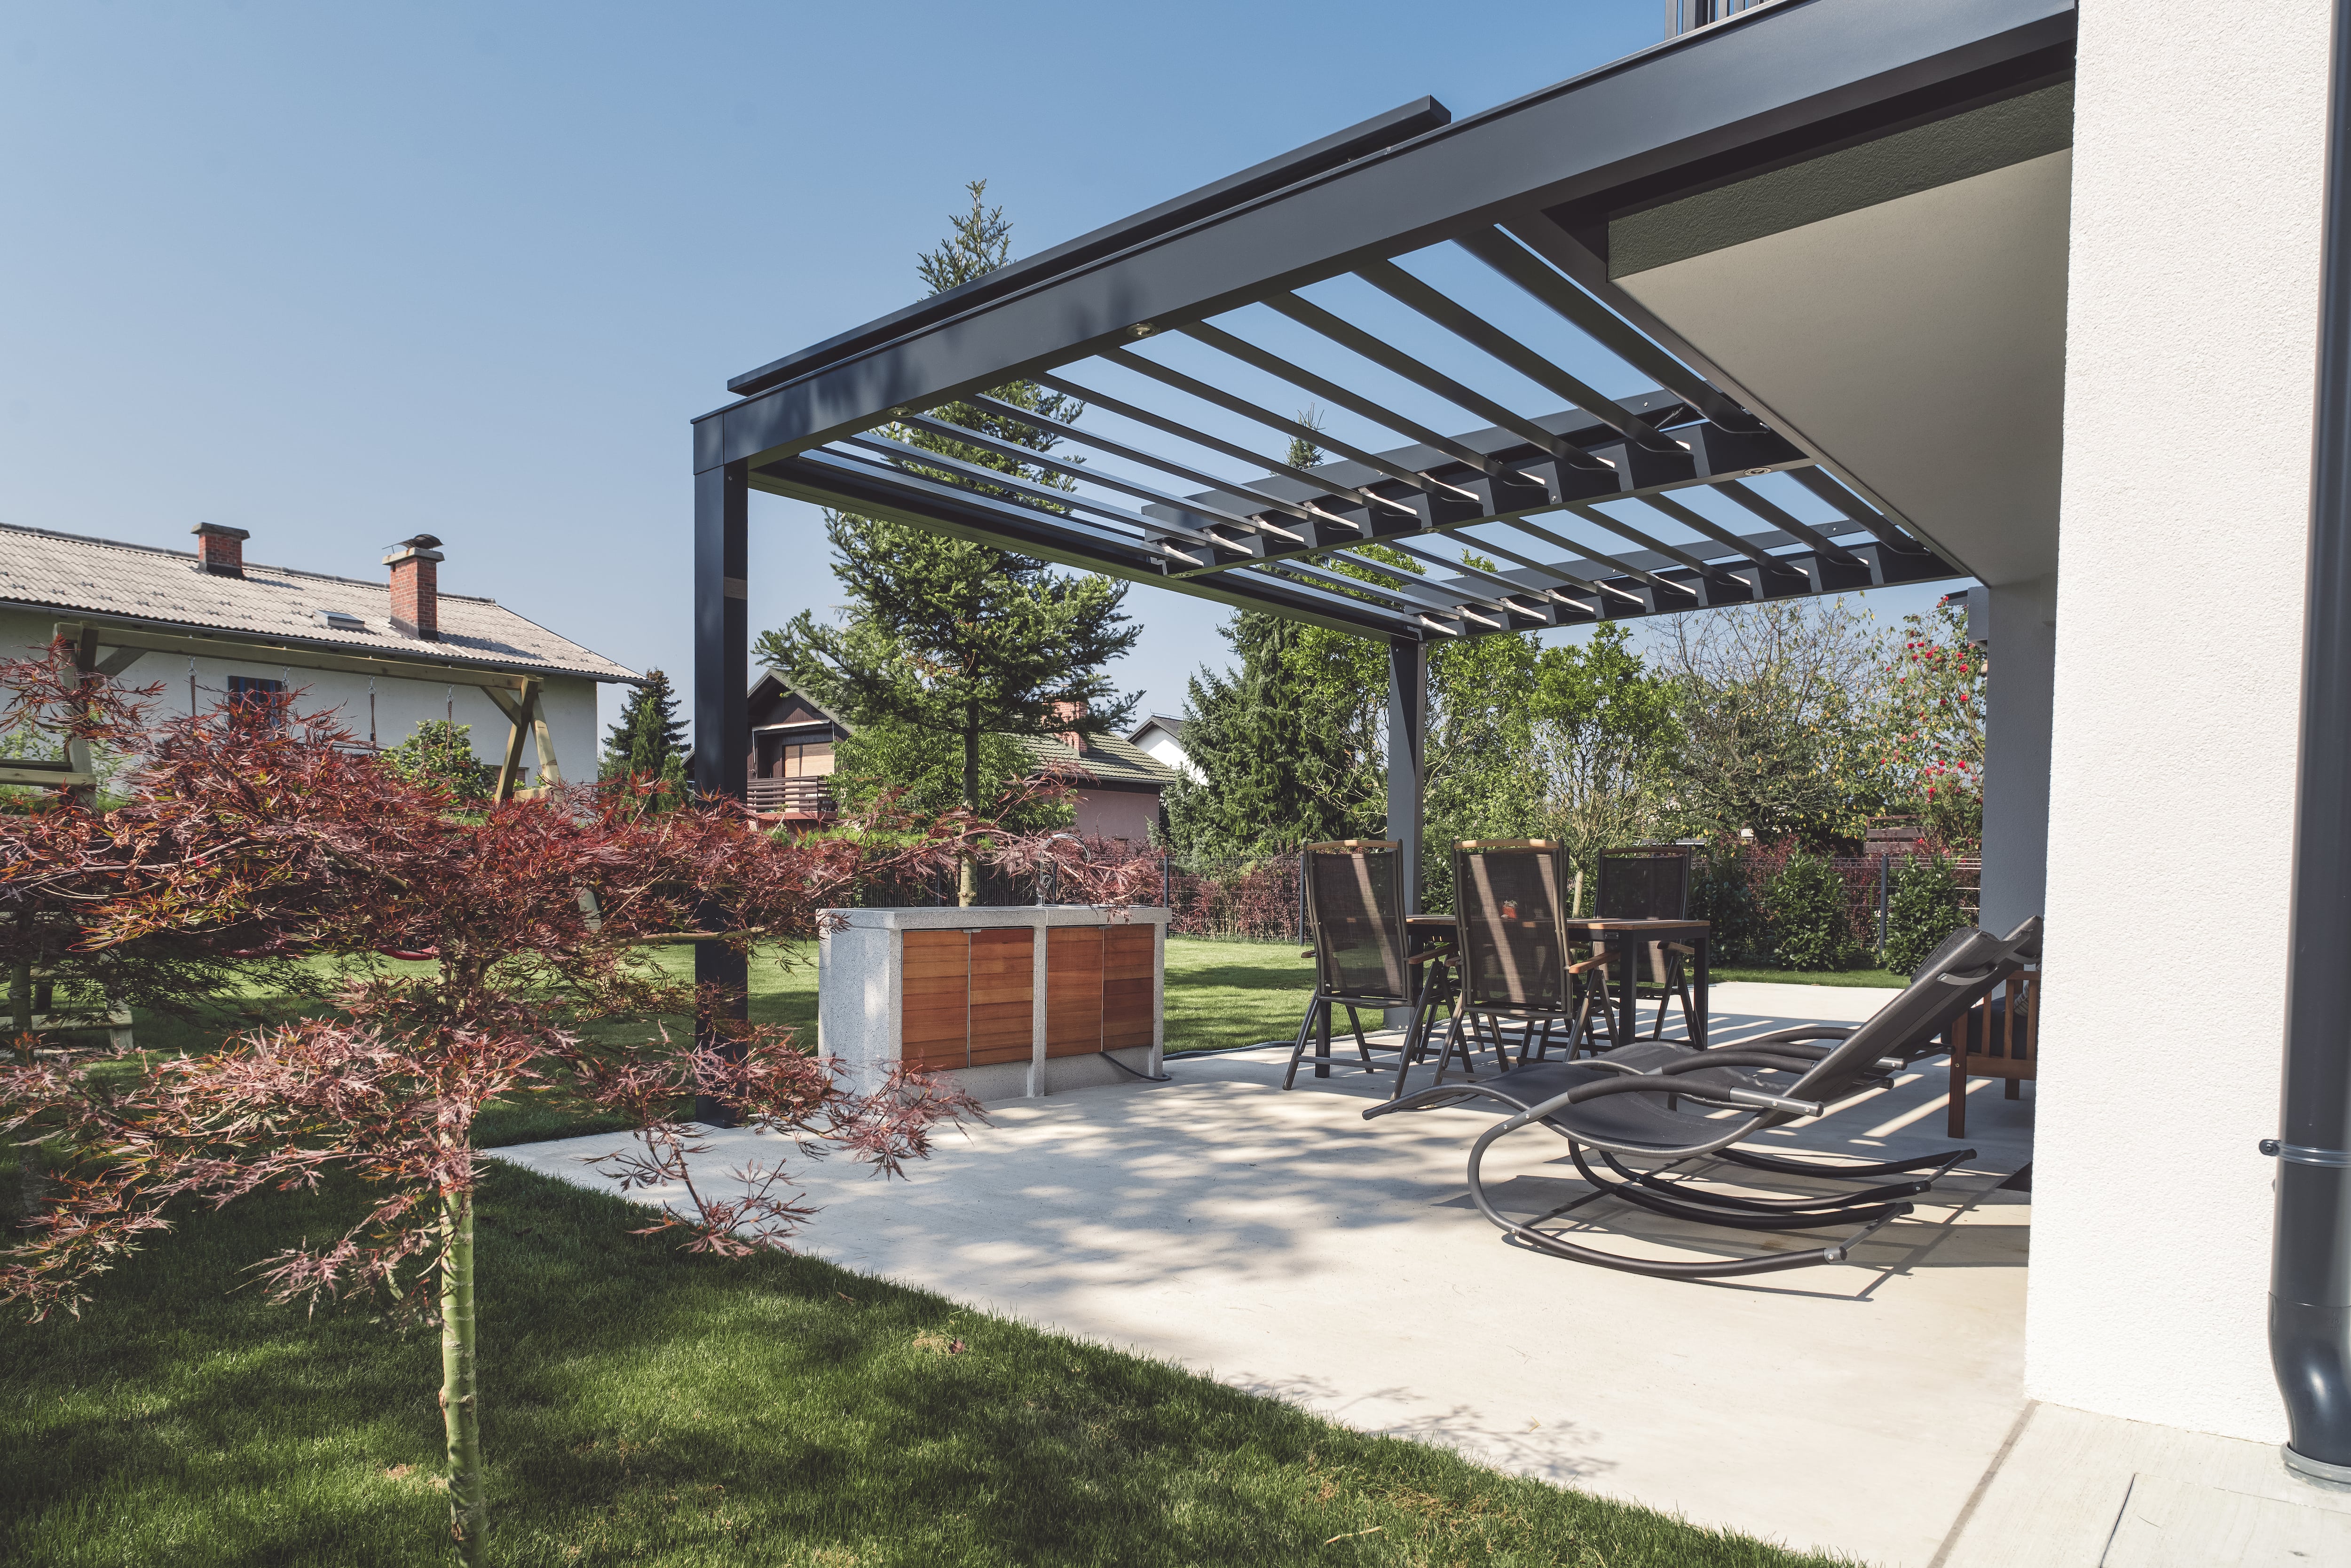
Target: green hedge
1811 927
1922 907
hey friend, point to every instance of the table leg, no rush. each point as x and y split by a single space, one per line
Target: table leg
1705 946
1628 1011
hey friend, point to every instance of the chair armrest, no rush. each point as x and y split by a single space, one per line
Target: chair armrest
1306 952
1683 948
1440 952
1582 965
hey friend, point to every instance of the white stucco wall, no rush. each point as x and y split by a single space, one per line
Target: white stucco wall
1166 748
568 701
2199 153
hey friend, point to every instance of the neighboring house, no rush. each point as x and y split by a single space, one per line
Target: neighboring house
1120 799
791 751
385 657
790 758
1162 738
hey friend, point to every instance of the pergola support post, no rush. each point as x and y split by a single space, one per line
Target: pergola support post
1407 726
722 630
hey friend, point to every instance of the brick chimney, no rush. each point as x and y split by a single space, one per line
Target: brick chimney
221 550
416 588
1066 713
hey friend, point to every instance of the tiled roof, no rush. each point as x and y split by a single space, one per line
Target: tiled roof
1173 726
165 587
1109 758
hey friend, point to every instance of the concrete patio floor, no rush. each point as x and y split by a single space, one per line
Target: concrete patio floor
1281 1244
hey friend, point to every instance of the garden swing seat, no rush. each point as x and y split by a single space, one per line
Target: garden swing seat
1649 1113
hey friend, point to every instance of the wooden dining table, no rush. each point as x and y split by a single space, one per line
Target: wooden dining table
1630 939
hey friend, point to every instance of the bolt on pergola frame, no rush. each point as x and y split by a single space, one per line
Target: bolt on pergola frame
1178 323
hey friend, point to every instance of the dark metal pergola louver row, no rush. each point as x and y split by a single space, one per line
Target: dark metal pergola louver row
1186 503
1443 289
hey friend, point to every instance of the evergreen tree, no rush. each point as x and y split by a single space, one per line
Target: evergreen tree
1260 744
952 641
648 734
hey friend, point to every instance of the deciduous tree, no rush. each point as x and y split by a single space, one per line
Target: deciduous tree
1769 696
264 833
1924 732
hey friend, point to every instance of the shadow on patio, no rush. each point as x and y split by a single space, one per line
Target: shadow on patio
1281 1244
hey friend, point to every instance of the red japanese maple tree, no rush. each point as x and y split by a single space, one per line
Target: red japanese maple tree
264 831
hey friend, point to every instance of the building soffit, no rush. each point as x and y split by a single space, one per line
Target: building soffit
1901 302
1579 502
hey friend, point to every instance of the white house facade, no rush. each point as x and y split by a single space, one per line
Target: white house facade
383 657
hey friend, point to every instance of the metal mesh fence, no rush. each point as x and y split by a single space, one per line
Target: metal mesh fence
1259 899
1253 899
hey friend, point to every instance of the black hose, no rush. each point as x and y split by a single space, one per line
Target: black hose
1123 1067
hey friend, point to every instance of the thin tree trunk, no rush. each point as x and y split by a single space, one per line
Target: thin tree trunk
32 1178
967 872
20 1007
460 1410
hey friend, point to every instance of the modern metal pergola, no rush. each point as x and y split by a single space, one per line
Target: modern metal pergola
1186 328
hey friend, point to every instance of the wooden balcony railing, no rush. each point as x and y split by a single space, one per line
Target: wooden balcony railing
801 797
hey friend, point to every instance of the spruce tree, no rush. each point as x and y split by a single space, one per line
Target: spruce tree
954 641
649 733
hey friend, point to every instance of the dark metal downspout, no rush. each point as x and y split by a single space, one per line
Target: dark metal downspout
2310 1275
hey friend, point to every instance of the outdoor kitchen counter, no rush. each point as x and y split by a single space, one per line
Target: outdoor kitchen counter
1010 1002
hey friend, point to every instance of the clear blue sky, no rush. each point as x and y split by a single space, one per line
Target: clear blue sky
336 274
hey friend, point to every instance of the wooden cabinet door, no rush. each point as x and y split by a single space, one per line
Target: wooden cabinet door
1128 1004
1003 987
935 1027
1073 990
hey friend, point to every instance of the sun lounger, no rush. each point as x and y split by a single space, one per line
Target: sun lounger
1655 1103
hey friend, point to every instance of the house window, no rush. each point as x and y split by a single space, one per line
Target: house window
811 760
267 696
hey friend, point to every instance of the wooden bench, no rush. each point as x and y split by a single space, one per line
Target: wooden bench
1998 1037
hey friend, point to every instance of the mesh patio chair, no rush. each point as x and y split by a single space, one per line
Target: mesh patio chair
1362 955
1659 1103
1651 882
1518 962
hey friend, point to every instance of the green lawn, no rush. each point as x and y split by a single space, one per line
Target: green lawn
1815 977
641 1407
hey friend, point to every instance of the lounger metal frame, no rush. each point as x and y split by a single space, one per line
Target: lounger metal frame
1828 1063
